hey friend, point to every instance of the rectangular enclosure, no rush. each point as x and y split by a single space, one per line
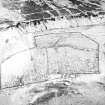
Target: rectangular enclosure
64 53
70 53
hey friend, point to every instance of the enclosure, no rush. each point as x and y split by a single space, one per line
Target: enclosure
47 54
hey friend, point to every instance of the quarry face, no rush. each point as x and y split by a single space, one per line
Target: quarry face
52 52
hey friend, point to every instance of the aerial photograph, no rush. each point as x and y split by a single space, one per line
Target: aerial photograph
52 52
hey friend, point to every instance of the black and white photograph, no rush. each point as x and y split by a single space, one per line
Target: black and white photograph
52 52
